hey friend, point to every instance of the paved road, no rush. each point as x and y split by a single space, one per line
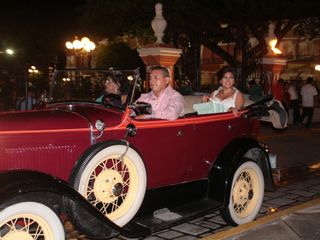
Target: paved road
300 222
298 181
295 146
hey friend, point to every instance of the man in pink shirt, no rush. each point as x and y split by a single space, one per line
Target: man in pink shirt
166 102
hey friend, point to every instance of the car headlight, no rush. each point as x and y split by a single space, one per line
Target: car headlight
100 125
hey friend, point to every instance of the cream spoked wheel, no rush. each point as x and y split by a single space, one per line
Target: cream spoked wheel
247 193
114 186
30 221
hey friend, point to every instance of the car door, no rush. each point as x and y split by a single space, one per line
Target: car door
165 147
211 133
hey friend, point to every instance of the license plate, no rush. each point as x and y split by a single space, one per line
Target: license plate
273 160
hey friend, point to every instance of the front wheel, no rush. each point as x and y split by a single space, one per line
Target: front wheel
246 194
115 186
29 221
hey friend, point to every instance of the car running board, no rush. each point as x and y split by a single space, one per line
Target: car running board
165 218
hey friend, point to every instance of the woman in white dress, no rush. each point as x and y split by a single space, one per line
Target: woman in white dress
227 94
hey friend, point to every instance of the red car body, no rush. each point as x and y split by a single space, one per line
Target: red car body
53 139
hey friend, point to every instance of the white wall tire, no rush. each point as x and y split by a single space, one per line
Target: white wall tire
28 221
114 187
246 194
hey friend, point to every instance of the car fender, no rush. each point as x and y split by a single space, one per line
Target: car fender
92 150
15 184
220 174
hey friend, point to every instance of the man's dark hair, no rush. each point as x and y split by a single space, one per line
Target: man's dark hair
309 80
224 70
164 70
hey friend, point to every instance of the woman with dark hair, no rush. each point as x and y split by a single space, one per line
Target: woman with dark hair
112 92
227 94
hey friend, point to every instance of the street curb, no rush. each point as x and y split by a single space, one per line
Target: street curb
263 220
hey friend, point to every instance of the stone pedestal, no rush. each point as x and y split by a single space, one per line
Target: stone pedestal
160 54
274 67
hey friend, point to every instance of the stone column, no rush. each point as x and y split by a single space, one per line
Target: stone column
160 53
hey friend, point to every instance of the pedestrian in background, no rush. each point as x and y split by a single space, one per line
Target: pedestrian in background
279 94
308 94
255 91
294 103
31 102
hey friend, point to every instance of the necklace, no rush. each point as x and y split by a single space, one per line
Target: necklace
221 95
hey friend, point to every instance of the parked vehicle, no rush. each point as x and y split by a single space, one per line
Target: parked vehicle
97 165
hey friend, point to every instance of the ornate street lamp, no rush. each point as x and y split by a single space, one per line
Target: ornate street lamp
79 53
33 70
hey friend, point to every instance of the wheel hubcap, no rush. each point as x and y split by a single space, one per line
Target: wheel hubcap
242 192
108 186
117 189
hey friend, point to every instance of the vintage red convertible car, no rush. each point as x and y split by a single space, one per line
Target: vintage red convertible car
110 173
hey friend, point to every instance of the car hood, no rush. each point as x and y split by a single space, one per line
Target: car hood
58 117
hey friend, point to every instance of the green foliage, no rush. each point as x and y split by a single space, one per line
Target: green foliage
118 56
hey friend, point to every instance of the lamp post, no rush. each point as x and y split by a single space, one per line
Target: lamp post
79 53
32 70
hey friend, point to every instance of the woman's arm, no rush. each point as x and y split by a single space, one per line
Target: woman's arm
239 101
206 98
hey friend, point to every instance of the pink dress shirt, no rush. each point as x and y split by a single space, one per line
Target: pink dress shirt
169 105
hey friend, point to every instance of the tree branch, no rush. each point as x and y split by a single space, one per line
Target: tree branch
218 50
280 35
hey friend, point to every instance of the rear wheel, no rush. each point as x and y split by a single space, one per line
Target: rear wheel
246 194
28 221
115 186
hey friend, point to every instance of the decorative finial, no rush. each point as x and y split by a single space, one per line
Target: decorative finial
159 24
271 40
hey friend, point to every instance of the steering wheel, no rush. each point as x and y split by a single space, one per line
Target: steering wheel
111 99
142 108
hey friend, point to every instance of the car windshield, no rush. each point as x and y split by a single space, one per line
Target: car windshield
89 85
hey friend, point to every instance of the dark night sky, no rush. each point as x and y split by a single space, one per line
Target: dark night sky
37 30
